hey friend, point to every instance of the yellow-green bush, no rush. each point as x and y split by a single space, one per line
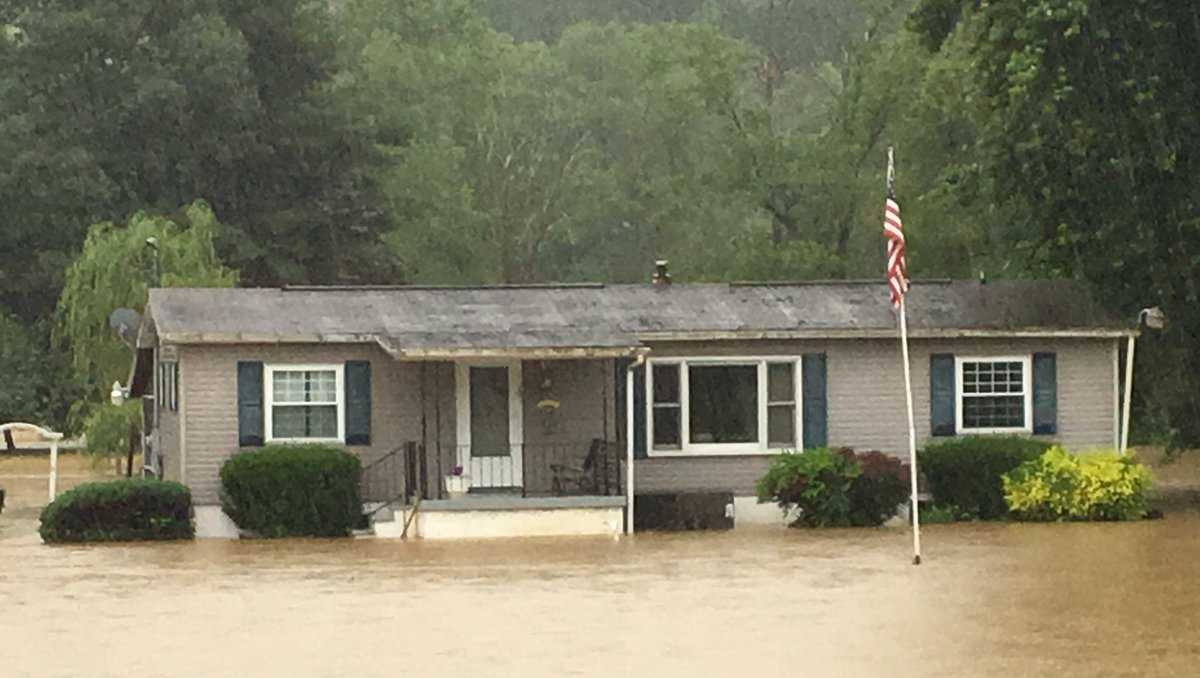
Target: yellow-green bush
1063 486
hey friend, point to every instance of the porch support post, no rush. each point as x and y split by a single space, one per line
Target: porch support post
629 447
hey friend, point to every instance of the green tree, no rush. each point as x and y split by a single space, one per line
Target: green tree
522 162
110 107
37 387
115 269
1091 125
108 430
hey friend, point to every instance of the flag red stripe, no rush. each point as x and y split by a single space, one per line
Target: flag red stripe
897 267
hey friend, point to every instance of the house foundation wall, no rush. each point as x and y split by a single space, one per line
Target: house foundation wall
498 523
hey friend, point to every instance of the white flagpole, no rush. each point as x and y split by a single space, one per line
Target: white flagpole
908 399
912 435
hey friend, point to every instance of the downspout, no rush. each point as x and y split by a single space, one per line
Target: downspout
638 362
1128 393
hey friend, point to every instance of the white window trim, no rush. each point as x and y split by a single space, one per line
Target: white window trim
690 449
1027 375
269 400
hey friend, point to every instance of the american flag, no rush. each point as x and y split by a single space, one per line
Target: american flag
893 230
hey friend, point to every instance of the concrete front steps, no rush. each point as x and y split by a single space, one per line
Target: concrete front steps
494 516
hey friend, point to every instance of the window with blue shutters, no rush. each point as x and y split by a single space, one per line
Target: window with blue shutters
304 403
995 394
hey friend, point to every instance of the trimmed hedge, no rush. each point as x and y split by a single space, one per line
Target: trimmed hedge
119 510
965 472
293 491
835 488
1063 486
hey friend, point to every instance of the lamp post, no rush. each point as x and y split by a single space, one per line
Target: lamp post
1154 319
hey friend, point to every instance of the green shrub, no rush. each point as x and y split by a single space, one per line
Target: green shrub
1063 486
936 514
879 490
293 491
119 510
966 471
834 488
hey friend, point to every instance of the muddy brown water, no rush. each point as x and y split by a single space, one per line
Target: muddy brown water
991 600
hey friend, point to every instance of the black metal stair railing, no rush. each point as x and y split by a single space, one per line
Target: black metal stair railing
390 479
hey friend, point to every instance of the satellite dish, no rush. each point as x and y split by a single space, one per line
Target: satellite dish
125 322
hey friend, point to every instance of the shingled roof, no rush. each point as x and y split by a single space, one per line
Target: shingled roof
416 320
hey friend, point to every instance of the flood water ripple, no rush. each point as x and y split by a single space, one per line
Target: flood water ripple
990 600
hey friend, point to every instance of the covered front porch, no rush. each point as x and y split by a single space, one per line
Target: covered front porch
505 446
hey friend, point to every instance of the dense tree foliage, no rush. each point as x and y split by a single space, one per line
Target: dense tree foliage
467 141
109 107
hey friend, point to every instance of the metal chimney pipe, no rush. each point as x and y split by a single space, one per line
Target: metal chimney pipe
661 277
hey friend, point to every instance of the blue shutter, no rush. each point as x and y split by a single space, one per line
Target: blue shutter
250 403
1045 394
815 408
941 394
358 402
639 412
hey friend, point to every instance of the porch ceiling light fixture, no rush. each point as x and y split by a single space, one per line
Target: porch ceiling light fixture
548 403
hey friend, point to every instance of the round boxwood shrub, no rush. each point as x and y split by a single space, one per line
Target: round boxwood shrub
1063 486
119 510
835 488
965 472
293 491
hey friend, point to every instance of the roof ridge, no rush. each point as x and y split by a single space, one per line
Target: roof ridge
402 288
836 281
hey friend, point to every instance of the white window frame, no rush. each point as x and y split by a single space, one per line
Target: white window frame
689 449
1027 393
269 400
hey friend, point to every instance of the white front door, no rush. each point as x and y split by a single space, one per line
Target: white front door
489 423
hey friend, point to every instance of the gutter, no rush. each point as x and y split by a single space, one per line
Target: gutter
718 335
534 352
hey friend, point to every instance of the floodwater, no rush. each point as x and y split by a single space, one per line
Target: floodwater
990 600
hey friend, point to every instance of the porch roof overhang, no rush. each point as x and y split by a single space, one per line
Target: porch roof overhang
402 348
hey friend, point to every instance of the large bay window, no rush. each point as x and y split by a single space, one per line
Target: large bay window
304 403
723 405
994 395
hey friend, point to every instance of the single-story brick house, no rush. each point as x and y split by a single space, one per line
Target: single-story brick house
541 394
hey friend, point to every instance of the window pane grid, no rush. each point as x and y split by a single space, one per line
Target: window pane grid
304 404
993 394
299 387
304 421
993 378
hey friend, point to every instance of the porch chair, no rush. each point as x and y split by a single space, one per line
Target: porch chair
570 479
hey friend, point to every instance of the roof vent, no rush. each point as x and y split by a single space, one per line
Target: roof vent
661 277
